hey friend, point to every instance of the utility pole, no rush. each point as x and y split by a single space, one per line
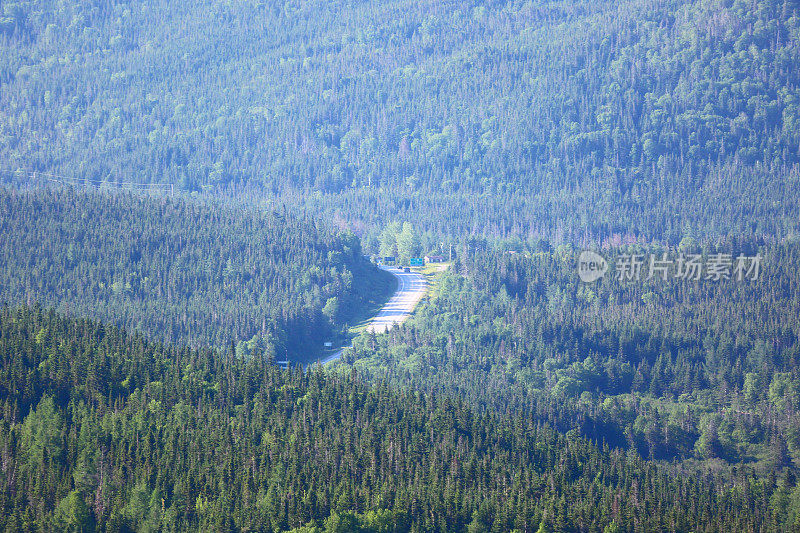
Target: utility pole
450 256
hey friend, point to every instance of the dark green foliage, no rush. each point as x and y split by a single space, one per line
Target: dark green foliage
183 271
129 435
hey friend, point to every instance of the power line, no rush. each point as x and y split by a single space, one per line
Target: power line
57 178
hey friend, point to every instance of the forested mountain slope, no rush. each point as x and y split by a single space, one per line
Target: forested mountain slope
103 430
676 369
183 271
563 119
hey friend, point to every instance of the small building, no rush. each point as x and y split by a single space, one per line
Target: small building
434 259
416 262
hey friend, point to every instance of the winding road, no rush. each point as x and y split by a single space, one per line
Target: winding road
411 287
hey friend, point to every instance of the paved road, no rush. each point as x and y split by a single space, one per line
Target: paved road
411 288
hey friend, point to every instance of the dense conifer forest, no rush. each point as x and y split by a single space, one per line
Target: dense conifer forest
105 430
674 369
559 119
186 271
292 144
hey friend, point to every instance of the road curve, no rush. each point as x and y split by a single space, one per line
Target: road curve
411 287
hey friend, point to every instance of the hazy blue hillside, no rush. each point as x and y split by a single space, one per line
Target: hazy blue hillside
569 120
